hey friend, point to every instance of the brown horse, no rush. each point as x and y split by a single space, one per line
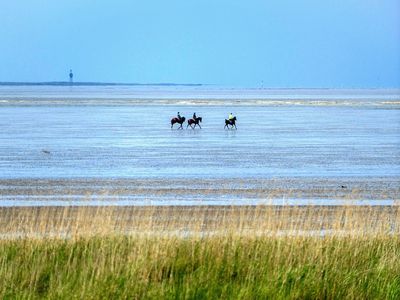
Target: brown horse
196 121
231 122
177 120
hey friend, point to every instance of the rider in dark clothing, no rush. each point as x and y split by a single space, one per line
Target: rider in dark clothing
179 116
194 116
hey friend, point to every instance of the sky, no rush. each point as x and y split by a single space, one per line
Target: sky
248 43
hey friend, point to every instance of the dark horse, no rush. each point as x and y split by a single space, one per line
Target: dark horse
196 121
177 120
231 122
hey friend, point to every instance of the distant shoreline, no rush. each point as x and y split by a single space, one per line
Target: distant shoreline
67 83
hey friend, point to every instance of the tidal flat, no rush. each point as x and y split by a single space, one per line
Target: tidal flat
322 136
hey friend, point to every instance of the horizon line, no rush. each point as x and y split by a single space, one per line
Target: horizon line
62 83
99 83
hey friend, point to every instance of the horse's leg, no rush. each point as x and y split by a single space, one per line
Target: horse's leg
172 124
188 125
199 125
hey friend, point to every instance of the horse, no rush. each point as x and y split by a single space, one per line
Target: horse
231 122
196 121
177 120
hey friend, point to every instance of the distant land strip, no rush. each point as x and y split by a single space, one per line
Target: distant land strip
67 83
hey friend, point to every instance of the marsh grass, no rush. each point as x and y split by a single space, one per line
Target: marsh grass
200 252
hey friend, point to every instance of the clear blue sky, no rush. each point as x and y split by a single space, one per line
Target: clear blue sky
309 43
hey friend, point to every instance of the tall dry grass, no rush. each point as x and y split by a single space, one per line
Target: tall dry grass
73 222
200 252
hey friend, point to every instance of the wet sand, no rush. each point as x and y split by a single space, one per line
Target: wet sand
101 191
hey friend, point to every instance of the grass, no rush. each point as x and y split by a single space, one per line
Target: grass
200 253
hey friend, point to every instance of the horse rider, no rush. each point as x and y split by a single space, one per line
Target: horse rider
230 117
194 116
179 116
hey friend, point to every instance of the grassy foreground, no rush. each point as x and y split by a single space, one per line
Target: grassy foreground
165 253
195 268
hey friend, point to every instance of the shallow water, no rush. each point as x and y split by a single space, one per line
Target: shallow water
149 92
129 140
136 141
